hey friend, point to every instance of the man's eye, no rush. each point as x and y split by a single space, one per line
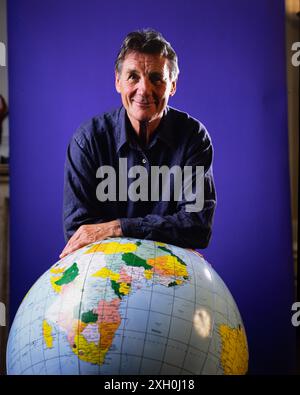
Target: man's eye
133 77
156 79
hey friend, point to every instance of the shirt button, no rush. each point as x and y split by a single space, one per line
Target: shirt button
144 160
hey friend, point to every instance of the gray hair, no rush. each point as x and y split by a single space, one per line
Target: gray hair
148 41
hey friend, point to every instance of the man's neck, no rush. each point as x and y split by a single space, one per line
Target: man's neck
144 129
144 135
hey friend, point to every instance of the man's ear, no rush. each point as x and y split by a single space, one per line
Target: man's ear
173 88
117 82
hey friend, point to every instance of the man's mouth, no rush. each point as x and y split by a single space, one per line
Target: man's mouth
142 103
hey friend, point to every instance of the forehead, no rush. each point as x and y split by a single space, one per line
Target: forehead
145 62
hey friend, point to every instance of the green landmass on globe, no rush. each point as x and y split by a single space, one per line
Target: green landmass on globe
128 306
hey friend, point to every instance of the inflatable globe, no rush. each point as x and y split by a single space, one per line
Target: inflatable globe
128 306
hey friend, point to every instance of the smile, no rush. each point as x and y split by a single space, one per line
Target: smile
142 104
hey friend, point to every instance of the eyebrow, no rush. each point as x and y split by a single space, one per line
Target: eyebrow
130 71
159 73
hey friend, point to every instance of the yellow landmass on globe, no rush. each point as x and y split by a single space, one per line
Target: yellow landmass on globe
177 281
168 265
124 288
57 270
106 273
112 248
159 243
234 353
148 274
47 333
95 352
56 288
88 351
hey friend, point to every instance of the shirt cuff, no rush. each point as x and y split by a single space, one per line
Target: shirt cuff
132 227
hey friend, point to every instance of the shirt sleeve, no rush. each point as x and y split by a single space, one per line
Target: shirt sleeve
79 187
183 228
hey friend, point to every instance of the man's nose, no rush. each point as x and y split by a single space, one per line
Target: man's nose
144 86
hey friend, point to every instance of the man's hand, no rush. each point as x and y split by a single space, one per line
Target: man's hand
87 234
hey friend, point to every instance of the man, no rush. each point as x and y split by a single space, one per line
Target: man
145 132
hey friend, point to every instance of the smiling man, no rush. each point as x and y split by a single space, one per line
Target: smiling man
145 85
145 134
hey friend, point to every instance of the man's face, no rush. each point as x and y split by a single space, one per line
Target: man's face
145 87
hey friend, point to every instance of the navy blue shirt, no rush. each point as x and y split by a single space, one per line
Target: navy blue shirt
179 140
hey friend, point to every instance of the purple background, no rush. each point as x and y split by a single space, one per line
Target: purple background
232 62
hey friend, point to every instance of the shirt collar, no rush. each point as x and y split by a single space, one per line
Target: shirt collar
163 131
121 127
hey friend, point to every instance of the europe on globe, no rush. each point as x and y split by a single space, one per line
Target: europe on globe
127 306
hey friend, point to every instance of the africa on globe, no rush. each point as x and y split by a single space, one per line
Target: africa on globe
127 306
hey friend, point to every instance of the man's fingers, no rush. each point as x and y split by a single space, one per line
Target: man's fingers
73 247
71 241
75 244
75 236
85 235
64 253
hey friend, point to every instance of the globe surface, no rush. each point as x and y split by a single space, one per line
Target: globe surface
128 306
